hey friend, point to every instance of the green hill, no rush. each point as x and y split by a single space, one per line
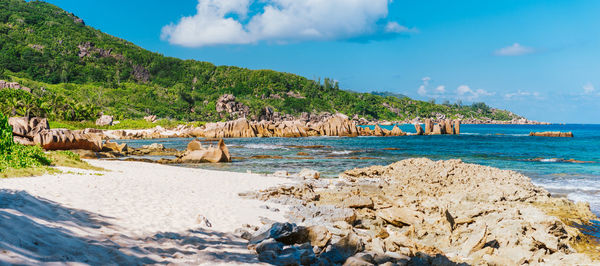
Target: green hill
76 71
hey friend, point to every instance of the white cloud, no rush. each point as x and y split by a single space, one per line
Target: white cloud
231 22
463 89
423 88
209 26
394 27
514 50
440 89
588 88
470 94
521 94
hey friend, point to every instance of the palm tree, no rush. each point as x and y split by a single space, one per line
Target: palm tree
13 104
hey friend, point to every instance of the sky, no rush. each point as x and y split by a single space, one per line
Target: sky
539 59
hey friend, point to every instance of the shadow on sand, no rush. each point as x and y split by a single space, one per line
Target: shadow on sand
34 230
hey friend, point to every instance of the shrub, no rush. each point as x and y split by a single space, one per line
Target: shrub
14 155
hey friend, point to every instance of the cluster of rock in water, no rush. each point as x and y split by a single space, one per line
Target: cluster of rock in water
421 212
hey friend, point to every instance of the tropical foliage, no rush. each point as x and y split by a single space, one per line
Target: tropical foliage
76 72
13 155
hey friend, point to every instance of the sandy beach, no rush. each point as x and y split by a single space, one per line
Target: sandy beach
134 213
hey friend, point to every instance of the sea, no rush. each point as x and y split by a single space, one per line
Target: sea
565 166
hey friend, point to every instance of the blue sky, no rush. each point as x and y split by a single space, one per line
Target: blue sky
540 59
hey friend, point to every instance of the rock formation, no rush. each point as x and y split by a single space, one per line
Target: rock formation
428 126
437 129
419 129
339 125
36 131
448 127
457 127
25 128
13 85
63 139
114 147
104 120
422 212
378 131
227 104
150 118
552 134
396 132
211 154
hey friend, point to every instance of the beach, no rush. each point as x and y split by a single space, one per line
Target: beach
133 213
136 213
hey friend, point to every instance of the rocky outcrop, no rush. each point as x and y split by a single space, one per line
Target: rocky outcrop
104 120
13 85
89 49
515 121
338 125
227 104
556 134
445 127
140 73
307 126
422 212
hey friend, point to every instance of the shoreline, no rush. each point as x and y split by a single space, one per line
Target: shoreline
148 213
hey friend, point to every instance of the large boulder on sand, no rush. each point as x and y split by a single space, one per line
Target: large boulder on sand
28 126
62 139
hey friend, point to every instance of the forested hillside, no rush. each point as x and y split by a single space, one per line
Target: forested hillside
75 72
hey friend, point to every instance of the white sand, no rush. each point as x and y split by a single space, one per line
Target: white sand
136 213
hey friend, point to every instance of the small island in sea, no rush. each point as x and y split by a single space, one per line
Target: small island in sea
114 154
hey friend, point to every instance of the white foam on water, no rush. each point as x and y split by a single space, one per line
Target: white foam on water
576 189
550 160
341 152
265 147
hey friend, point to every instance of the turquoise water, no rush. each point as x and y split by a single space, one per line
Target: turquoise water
502 146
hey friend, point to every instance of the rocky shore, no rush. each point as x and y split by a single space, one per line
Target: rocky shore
422 212
36 131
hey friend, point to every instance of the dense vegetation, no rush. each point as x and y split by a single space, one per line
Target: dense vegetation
13 155
76 71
